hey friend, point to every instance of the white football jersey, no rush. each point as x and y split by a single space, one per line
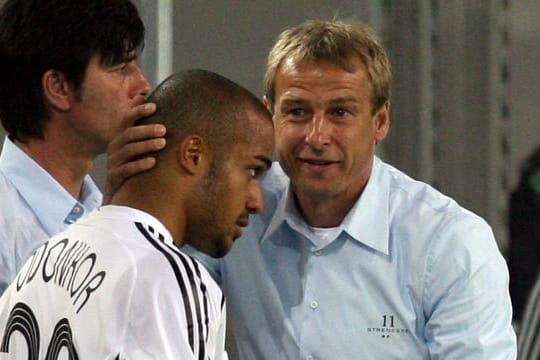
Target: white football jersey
112 286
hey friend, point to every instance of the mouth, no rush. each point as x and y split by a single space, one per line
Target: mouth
242 222
317 163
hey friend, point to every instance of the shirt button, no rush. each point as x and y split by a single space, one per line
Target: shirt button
317 252
309 357
313 304
77 209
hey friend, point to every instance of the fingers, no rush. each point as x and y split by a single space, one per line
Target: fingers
134 142
124 153
141 111
140 132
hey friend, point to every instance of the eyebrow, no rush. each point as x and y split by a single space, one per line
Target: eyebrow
342 100
131 57
336 101
293 100
267 162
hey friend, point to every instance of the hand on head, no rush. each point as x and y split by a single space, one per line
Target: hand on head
123 153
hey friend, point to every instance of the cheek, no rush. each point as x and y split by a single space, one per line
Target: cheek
288 136
234 193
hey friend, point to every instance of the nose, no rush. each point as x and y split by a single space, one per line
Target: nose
255 200
318 132
141 84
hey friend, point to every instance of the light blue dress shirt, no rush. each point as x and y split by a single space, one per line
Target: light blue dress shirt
33 207
412 275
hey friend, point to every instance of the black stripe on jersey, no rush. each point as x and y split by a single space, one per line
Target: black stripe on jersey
205 295
202 338
189 317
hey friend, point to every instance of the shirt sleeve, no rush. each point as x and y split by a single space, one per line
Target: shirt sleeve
6 266
467 304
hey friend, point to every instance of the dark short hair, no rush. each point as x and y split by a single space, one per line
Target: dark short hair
39 35
202 102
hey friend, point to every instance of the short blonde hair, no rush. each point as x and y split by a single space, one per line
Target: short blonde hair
335 41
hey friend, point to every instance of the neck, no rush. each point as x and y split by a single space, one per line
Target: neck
327 210
65 164
146 194
323 213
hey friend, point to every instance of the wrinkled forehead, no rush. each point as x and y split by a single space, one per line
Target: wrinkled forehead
348 61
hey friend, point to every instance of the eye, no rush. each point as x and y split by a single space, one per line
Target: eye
297 112
340 112
123 67
256 172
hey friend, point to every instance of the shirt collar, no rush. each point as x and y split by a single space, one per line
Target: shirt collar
51 203
150 222
367 222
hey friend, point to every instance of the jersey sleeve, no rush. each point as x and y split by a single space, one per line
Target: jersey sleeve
221 354
174 311
157 327
466 297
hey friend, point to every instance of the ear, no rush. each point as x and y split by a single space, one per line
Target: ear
382 122
193 154
57 90
268 105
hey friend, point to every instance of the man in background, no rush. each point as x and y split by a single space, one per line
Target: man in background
70 85
115 285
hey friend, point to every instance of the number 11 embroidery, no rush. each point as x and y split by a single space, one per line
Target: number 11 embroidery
388 321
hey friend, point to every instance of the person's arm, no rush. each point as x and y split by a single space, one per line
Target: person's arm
466 300
124 152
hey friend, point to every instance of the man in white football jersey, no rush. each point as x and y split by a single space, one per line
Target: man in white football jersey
115 285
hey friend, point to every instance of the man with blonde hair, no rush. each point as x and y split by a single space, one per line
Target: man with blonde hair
353 259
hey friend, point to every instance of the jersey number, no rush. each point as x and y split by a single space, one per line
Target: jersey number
22 319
